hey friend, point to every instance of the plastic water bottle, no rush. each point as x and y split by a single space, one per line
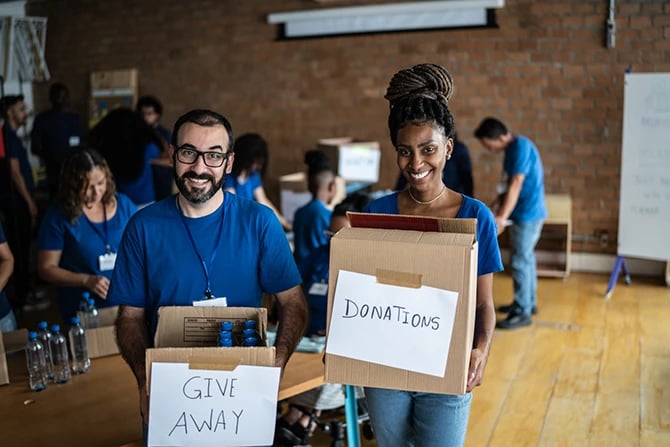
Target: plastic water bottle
83 308
59 355
80 360
36 363
44 337
93 316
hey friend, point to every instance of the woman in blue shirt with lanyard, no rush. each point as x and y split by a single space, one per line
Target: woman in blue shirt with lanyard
422 132
80 233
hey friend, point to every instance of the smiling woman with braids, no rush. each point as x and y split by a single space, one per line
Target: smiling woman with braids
422 131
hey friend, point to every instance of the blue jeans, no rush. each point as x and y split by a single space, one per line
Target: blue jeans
523 238
407 418
8 322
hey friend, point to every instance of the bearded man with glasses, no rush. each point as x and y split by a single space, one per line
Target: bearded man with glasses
202 244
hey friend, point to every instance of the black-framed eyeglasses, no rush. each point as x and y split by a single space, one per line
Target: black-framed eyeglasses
189 156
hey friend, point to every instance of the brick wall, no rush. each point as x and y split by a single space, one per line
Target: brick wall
545 72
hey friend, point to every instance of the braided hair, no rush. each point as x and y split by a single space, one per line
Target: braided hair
418 95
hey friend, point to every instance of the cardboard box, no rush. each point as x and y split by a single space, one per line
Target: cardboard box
294 193
4 374
114 79
101 341
354 161
189 334
111 89
206 395
439 253
13 341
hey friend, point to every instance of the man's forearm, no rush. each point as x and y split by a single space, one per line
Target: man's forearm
132 337
292 322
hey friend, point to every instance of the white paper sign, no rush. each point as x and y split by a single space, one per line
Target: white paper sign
395 326
190 407
358 163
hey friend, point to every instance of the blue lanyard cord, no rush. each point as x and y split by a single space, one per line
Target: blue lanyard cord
104 236
205 266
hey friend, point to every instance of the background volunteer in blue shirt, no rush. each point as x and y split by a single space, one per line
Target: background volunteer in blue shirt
80 233
129 145
521 200
56 132
246 178
7 317
311 221
18 206
422 128
202 244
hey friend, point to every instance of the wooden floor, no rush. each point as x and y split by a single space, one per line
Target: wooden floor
588 372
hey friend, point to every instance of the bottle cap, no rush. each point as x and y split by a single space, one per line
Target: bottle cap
250 341
55 328
227 325
85 294
225 334
75 320
42 325
250 324
91 301
249 332
227 342
32 335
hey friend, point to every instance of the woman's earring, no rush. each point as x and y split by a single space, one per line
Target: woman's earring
448 156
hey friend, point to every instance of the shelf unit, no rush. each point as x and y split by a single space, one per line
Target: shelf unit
554 248
111 89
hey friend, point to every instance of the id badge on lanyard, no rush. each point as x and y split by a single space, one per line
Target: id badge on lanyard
106 262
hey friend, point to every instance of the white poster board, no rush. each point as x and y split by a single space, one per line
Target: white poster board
644 201
402 327
190 407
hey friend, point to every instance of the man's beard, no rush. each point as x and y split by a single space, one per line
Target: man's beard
198 195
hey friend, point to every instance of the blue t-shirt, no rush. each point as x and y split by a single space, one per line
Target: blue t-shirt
141 190
309 230
245 189
81 244
488 256
522 157
317 297
158 265
56 133
4 302
14 149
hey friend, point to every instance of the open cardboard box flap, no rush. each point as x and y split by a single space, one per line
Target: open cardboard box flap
212 358
416 223
194 326
189 334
